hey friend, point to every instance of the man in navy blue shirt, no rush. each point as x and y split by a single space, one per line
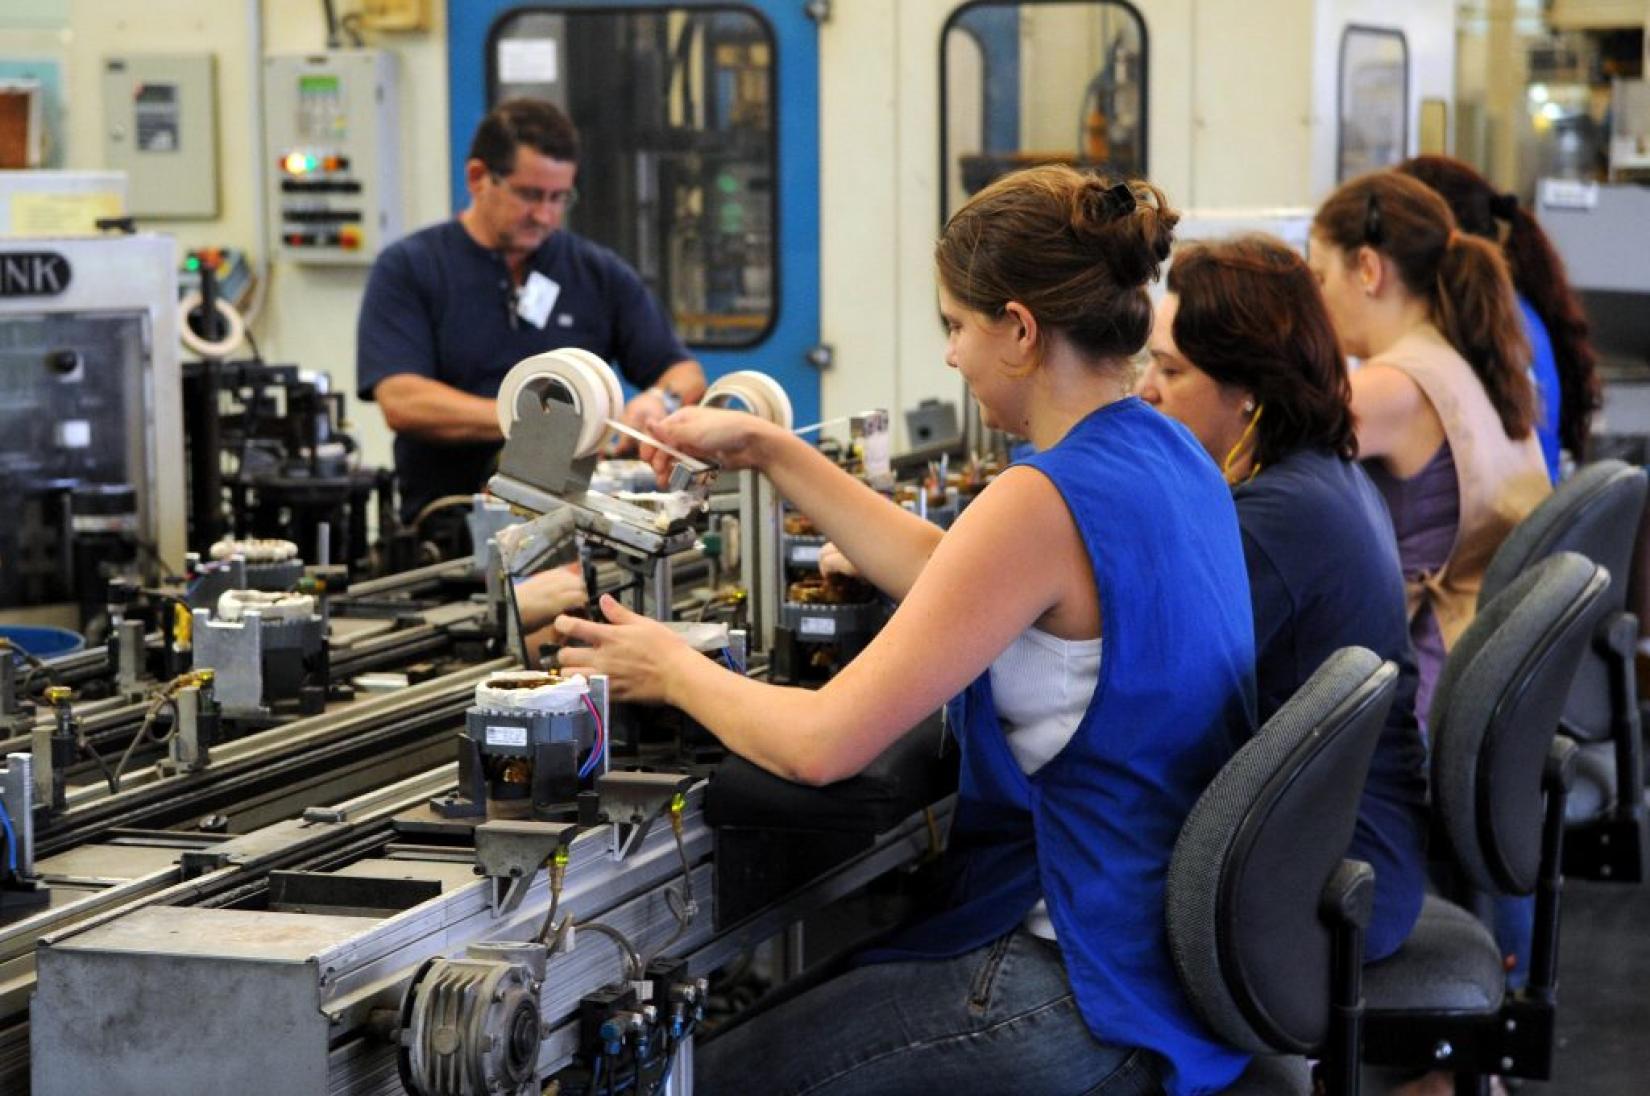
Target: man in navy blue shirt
449 309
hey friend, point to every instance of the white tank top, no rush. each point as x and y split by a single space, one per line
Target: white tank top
1041 686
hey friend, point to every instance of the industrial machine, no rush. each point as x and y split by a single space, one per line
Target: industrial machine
550 906
90 425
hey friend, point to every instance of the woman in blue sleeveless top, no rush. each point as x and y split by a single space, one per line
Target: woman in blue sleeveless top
1089 613
1243 353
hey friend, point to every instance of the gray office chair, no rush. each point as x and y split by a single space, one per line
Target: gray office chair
1266 918
1596 512
1500 778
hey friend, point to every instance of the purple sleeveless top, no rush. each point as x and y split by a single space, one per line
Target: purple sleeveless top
1426 514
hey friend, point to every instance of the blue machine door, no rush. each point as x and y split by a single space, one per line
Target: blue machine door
699 164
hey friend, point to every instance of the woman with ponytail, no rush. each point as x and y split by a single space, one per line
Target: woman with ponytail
1089 613
1444 405
1562 358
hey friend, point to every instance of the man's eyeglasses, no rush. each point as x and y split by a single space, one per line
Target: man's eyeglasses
1374 230
533 196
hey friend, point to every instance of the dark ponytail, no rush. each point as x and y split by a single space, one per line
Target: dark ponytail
1463 280
1538 275
1475 309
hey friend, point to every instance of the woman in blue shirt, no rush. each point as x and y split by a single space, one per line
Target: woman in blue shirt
1562 362
1244 354
1048 971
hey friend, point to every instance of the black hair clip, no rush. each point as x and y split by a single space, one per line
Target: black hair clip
1119 201
1374 230
1504 207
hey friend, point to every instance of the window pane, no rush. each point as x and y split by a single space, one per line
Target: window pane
675 113
1374 126
1041 81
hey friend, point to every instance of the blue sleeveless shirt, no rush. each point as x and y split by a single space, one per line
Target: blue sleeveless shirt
1092 831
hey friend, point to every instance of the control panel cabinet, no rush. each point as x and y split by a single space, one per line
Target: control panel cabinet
334 154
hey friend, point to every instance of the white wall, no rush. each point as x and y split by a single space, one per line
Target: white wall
1429 28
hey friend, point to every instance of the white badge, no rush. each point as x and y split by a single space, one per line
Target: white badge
536 299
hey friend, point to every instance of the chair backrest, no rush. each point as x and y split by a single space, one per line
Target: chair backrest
1249 869
1495 712
1596 513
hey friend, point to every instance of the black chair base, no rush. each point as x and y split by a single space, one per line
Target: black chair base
1615 849
1516 1040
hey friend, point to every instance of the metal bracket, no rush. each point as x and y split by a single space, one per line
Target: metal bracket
632 800
510 854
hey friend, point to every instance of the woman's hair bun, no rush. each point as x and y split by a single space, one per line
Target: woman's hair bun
1075 248
1129 224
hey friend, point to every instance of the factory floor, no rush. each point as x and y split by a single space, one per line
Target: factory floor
1603 992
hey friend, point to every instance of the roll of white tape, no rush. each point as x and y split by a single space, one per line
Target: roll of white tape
207 348
588 381
758 393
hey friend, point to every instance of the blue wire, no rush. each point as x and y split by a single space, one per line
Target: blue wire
11 837
590 763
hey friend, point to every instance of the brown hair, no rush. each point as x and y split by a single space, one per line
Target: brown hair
1538 275
1462 278
1251 315
1075 249
537 123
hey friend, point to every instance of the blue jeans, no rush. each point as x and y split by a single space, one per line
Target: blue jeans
998 1019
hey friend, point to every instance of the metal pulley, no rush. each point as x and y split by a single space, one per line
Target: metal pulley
471 1027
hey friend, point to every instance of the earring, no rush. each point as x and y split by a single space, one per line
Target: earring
1248 407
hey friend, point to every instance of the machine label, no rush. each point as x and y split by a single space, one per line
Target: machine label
507 736
33 274
805 553
817 626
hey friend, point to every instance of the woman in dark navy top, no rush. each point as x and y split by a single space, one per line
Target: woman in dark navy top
1243 353
1090 615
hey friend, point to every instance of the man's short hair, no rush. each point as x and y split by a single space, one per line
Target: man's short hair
536 123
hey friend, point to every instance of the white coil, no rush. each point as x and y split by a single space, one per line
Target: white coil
757 393
207 348
235 604
511 689
254 550
590 383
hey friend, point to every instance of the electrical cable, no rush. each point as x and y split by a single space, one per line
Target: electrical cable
166 700
11 838
681 904
633 958
598 745
443 503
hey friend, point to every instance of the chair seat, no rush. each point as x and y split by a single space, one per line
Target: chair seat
1274 1075
1450 963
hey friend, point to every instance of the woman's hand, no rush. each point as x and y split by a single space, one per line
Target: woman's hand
639 655
833 562
547 595
732 439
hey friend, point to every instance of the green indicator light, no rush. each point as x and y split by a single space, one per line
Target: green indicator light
191 263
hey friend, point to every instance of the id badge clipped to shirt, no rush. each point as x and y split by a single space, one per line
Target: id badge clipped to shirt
536 299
